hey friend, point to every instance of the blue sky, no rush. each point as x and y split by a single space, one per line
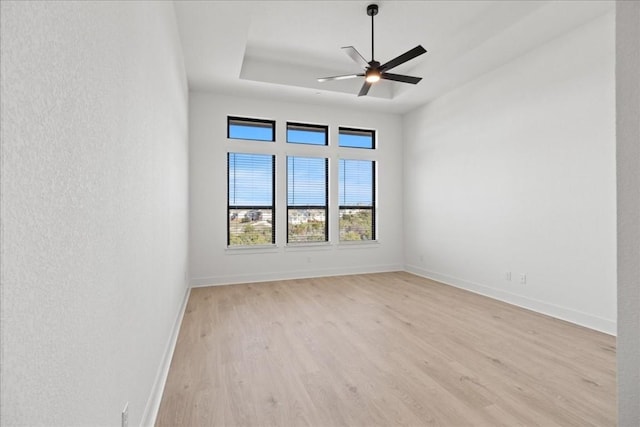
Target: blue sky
259 133
355 141
305 137
355 181
250 179
306 177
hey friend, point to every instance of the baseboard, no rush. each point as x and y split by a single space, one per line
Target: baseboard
288 275
153 403
563 313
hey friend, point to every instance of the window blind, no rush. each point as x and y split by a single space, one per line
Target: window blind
307 199
251 191
356 184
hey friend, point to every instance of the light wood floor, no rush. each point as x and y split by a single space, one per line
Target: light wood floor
381 349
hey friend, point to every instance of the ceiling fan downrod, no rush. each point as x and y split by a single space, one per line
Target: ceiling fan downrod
372 10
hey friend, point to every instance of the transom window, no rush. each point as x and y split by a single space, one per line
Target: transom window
356 138
251 129
300 133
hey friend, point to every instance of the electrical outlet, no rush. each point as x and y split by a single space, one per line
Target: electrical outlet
125 415
523 278
507 276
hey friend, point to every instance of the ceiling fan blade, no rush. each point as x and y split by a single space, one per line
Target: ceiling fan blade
343 77
401 78
407 56
355 55
365 89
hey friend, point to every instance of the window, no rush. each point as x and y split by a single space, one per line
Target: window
299 133
307 199
251 180
356 138
357 200
252 129
250 199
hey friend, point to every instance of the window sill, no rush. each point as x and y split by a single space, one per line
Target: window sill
257 249
358 244
308 246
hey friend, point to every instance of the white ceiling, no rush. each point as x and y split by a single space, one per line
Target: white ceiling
277 49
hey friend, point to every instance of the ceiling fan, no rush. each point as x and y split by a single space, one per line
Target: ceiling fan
373 70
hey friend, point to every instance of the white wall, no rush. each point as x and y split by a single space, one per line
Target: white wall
94 207
628 170
210 260
515 171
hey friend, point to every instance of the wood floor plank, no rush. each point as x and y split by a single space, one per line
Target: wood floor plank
381 349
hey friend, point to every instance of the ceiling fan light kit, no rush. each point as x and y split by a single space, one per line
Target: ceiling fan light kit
372 75
373 70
